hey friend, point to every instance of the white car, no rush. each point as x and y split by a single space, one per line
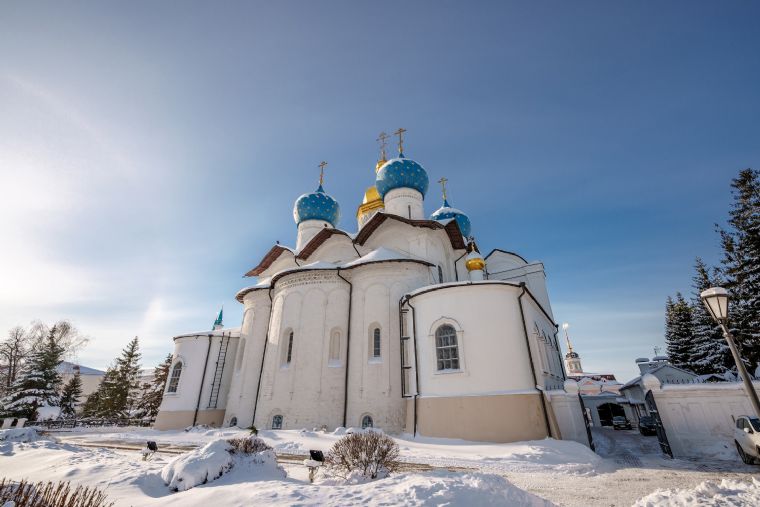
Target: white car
747 438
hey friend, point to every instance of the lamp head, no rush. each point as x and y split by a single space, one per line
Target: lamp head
716 301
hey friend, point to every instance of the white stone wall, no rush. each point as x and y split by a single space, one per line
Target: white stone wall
494 358
699 419
567 411
192 351
247 367
307 230
405 202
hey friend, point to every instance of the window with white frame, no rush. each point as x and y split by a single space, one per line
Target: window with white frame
174 378
367 422
446 348
376 343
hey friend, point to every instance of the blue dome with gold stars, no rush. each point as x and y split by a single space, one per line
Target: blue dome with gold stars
446 212
401 173
316 206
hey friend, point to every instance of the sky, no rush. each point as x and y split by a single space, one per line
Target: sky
151 152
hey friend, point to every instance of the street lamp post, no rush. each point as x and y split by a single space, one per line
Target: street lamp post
716 301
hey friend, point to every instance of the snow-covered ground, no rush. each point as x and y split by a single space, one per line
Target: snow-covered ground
437 472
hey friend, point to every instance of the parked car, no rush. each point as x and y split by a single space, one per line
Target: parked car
621 422
647 425
747 438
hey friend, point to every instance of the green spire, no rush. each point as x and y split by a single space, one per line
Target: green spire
218 322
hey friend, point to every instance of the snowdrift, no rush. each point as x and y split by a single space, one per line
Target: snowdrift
214 460
19 435
726 493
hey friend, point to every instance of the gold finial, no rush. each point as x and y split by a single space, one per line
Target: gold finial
443 181
567 337
322 172
400 134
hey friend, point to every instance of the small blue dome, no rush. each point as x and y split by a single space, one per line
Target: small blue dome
316 206
445 212
401 173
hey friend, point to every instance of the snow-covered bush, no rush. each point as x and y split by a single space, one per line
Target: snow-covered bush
366 454
19 435
51 494
250 445
217 458
48 412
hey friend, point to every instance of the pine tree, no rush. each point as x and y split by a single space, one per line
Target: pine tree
39 383
91 406
70 396
153 392
118 392
711 352
679 331
741 264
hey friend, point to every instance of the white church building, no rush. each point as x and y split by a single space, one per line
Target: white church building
402 325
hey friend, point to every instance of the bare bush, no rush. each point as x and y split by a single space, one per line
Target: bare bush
249 445
51 494
370 453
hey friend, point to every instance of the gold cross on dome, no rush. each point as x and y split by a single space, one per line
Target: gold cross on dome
322 172
443 181
381 138
400 134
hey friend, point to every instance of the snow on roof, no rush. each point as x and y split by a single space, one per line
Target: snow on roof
228 331
68 368
378 255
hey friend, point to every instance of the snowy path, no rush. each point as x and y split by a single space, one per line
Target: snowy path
638 469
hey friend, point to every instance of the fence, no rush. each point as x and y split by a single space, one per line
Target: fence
87 423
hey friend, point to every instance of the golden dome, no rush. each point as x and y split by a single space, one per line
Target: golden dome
380 163
371 195
475 264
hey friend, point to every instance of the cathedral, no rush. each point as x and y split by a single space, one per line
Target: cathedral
403 325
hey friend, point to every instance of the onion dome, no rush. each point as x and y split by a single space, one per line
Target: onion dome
572 355
474 261
316 206
401 173
446 212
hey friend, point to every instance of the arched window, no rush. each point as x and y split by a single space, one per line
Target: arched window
233 422
367 422
334 357
376 343
440 274
287 351
174 378
277 422
446 349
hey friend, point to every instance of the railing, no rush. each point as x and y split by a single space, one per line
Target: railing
704 381
88 423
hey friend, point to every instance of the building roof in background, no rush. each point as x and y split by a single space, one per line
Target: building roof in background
69 368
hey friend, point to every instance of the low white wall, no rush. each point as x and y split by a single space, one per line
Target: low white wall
568 415
699 418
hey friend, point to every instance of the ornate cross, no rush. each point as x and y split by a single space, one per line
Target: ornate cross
400 134
381 138
443 181
322 172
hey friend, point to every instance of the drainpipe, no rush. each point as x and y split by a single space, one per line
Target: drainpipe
456 274
530 357
203 379
348 345
416 368
263 356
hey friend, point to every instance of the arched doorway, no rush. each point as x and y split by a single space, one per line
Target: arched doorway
607 411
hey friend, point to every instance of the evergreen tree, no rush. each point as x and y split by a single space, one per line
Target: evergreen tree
153 392
118 392
39 383
91 406
711 352
70 395
679 331
741 264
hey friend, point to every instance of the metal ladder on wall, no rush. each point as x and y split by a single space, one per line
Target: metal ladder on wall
216 386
